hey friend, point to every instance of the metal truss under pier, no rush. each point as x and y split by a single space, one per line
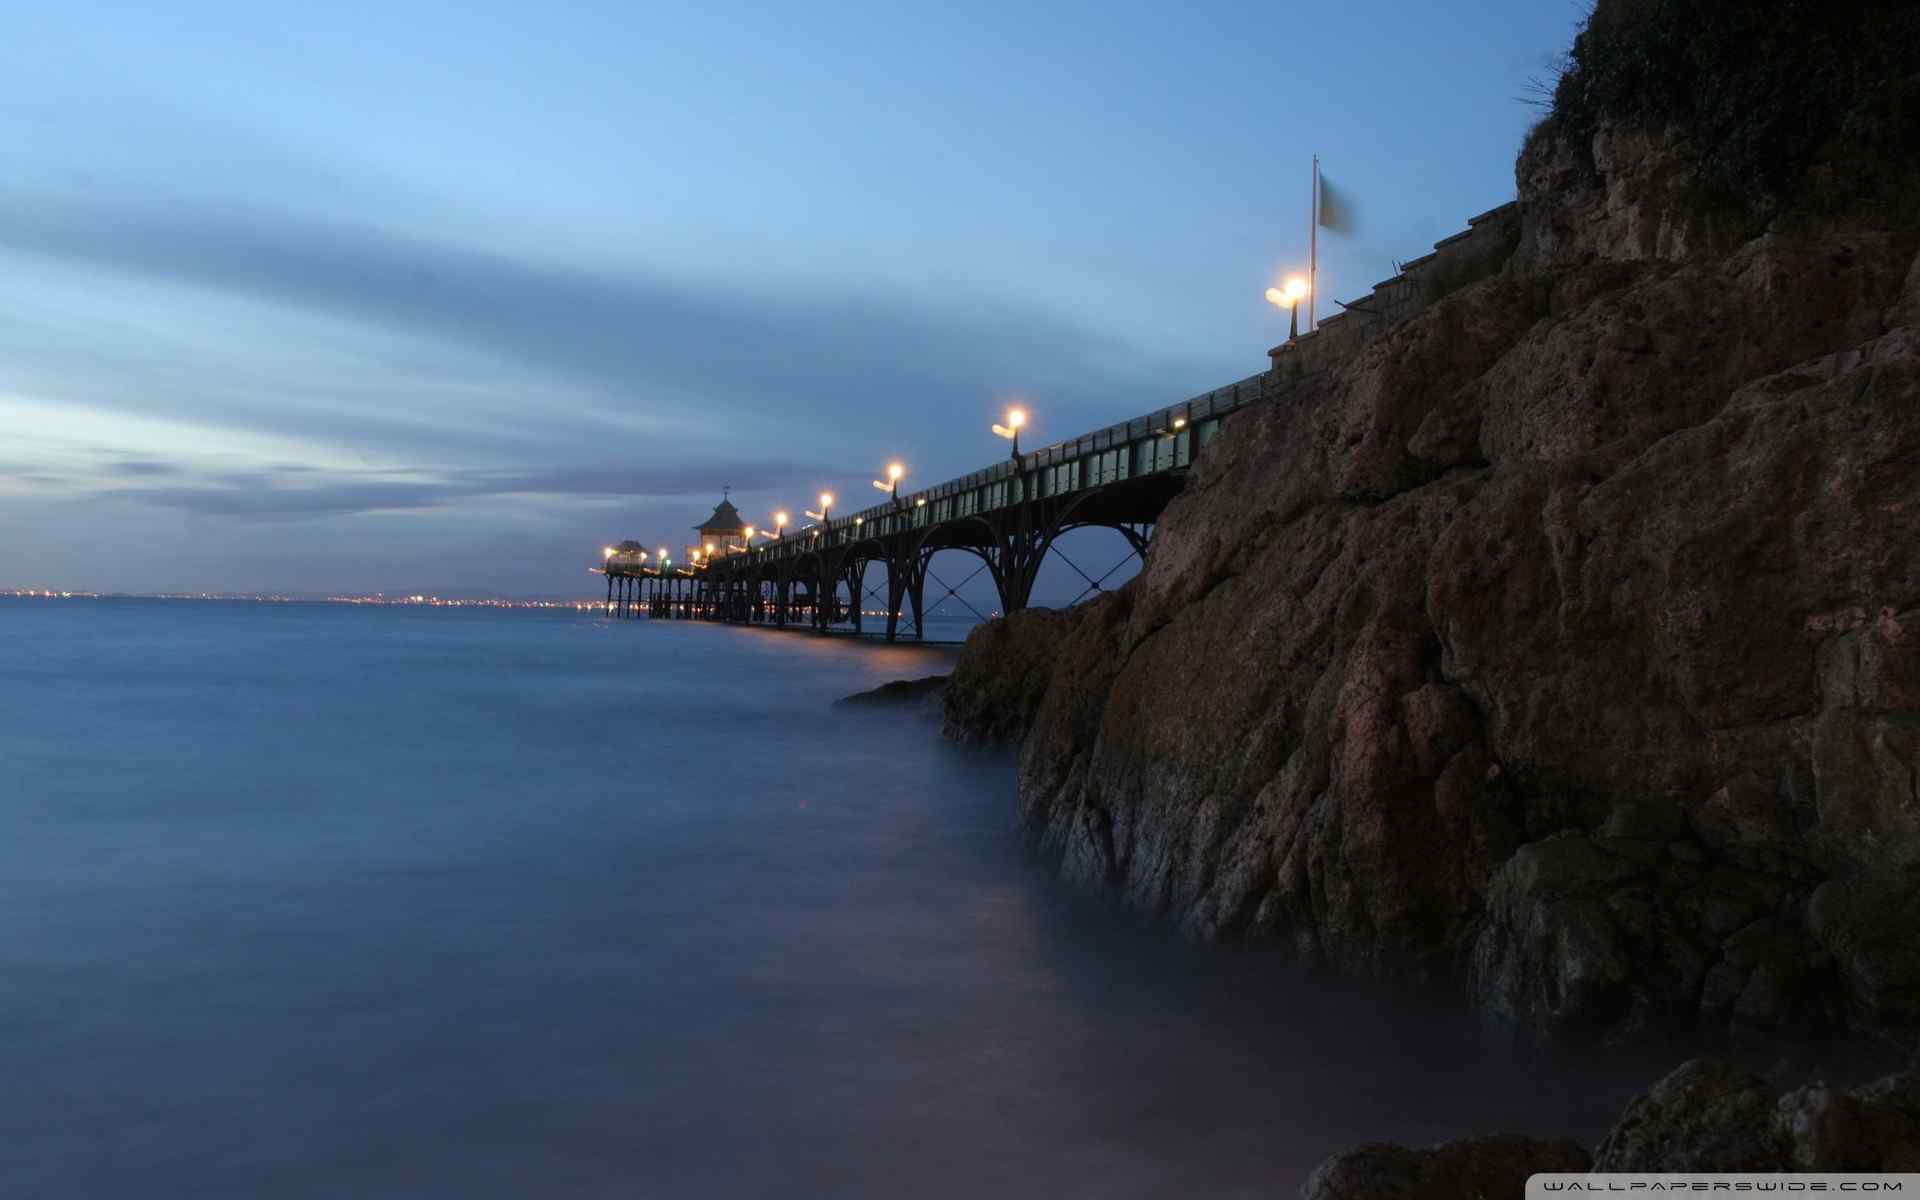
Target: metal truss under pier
1009 516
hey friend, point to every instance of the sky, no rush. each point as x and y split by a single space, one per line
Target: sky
400 296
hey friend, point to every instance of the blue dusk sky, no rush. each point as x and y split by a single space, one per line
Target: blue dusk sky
405 295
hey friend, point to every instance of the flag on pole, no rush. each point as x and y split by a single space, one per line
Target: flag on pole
1336 211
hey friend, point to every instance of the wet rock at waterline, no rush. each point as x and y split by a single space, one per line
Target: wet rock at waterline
1467 1167
1712 1116
922 697
1708 1115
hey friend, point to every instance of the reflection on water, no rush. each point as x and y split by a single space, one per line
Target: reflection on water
311 901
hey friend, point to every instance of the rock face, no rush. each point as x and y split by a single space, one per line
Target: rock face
1008 665
1565 642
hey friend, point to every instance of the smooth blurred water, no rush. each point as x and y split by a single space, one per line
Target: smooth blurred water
309 900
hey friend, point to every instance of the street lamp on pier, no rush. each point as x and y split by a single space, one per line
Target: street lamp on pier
895 473
779 526
1016 417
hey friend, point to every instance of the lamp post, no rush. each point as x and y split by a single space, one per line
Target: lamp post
1016 417
1288 296
823 602
779 527
826 510
895 473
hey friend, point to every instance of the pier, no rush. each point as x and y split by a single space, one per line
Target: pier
838 573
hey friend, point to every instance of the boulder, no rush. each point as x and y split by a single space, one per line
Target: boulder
1709 1115
1456 1170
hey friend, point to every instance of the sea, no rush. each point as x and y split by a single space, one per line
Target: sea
324 900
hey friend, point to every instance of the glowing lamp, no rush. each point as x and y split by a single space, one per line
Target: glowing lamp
1288 296
1291 292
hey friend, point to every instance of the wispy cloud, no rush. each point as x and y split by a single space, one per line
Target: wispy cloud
141 468
838 353
294 492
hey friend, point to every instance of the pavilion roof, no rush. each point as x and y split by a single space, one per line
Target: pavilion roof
725 519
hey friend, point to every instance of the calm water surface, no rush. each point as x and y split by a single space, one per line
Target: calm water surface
303 900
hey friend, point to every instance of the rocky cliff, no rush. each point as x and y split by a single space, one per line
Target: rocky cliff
1564 642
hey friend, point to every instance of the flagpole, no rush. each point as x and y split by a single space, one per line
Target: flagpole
1313 251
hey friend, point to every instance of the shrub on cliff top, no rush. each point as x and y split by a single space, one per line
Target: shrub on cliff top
1764 89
